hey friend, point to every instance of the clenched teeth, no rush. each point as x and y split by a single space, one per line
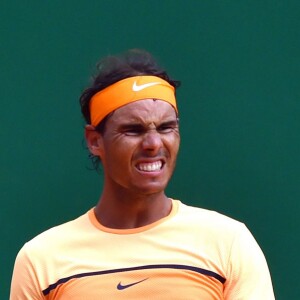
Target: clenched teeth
150 167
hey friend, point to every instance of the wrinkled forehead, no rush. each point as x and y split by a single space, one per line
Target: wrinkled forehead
145 111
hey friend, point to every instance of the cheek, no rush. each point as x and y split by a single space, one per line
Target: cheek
119 154
173 145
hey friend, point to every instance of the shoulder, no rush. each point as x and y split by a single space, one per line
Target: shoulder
209 219
56 236
214 232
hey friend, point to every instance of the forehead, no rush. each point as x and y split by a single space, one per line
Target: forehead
146 110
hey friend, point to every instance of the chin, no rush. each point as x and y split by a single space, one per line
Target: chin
151 190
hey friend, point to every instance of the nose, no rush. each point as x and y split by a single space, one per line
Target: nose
152 142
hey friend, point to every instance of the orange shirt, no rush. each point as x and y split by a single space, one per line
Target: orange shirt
191 254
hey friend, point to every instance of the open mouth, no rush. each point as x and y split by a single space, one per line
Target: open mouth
150 167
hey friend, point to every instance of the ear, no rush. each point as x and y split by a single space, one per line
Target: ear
94 140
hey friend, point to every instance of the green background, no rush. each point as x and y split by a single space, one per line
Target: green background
239 108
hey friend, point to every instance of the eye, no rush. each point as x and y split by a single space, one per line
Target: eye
164 129
167 127
133 130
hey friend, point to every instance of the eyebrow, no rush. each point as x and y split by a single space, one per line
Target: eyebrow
138 125
170 123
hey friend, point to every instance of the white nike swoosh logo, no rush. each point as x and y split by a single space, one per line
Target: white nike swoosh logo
137 88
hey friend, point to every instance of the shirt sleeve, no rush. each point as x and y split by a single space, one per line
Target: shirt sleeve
248 276
24 284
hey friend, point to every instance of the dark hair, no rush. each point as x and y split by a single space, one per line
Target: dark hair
114 68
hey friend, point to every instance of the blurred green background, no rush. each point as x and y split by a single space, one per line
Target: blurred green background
239 109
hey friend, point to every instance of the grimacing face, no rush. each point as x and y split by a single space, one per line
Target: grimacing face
139 147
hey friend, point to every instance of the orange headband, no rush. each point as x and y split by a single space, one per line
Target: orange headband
127 91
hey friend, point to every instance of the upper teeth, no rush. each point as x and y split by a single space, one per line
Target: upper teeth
150 166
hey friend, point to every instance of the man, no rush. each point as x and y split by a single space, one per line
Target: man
137 243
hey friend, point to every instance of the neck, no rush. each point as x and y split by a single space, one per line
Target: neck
127 210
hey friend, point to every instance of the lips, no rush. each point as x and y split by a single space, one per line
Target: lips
150 166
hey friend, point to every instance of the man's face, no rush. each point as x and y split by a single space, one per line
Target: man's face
139 147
